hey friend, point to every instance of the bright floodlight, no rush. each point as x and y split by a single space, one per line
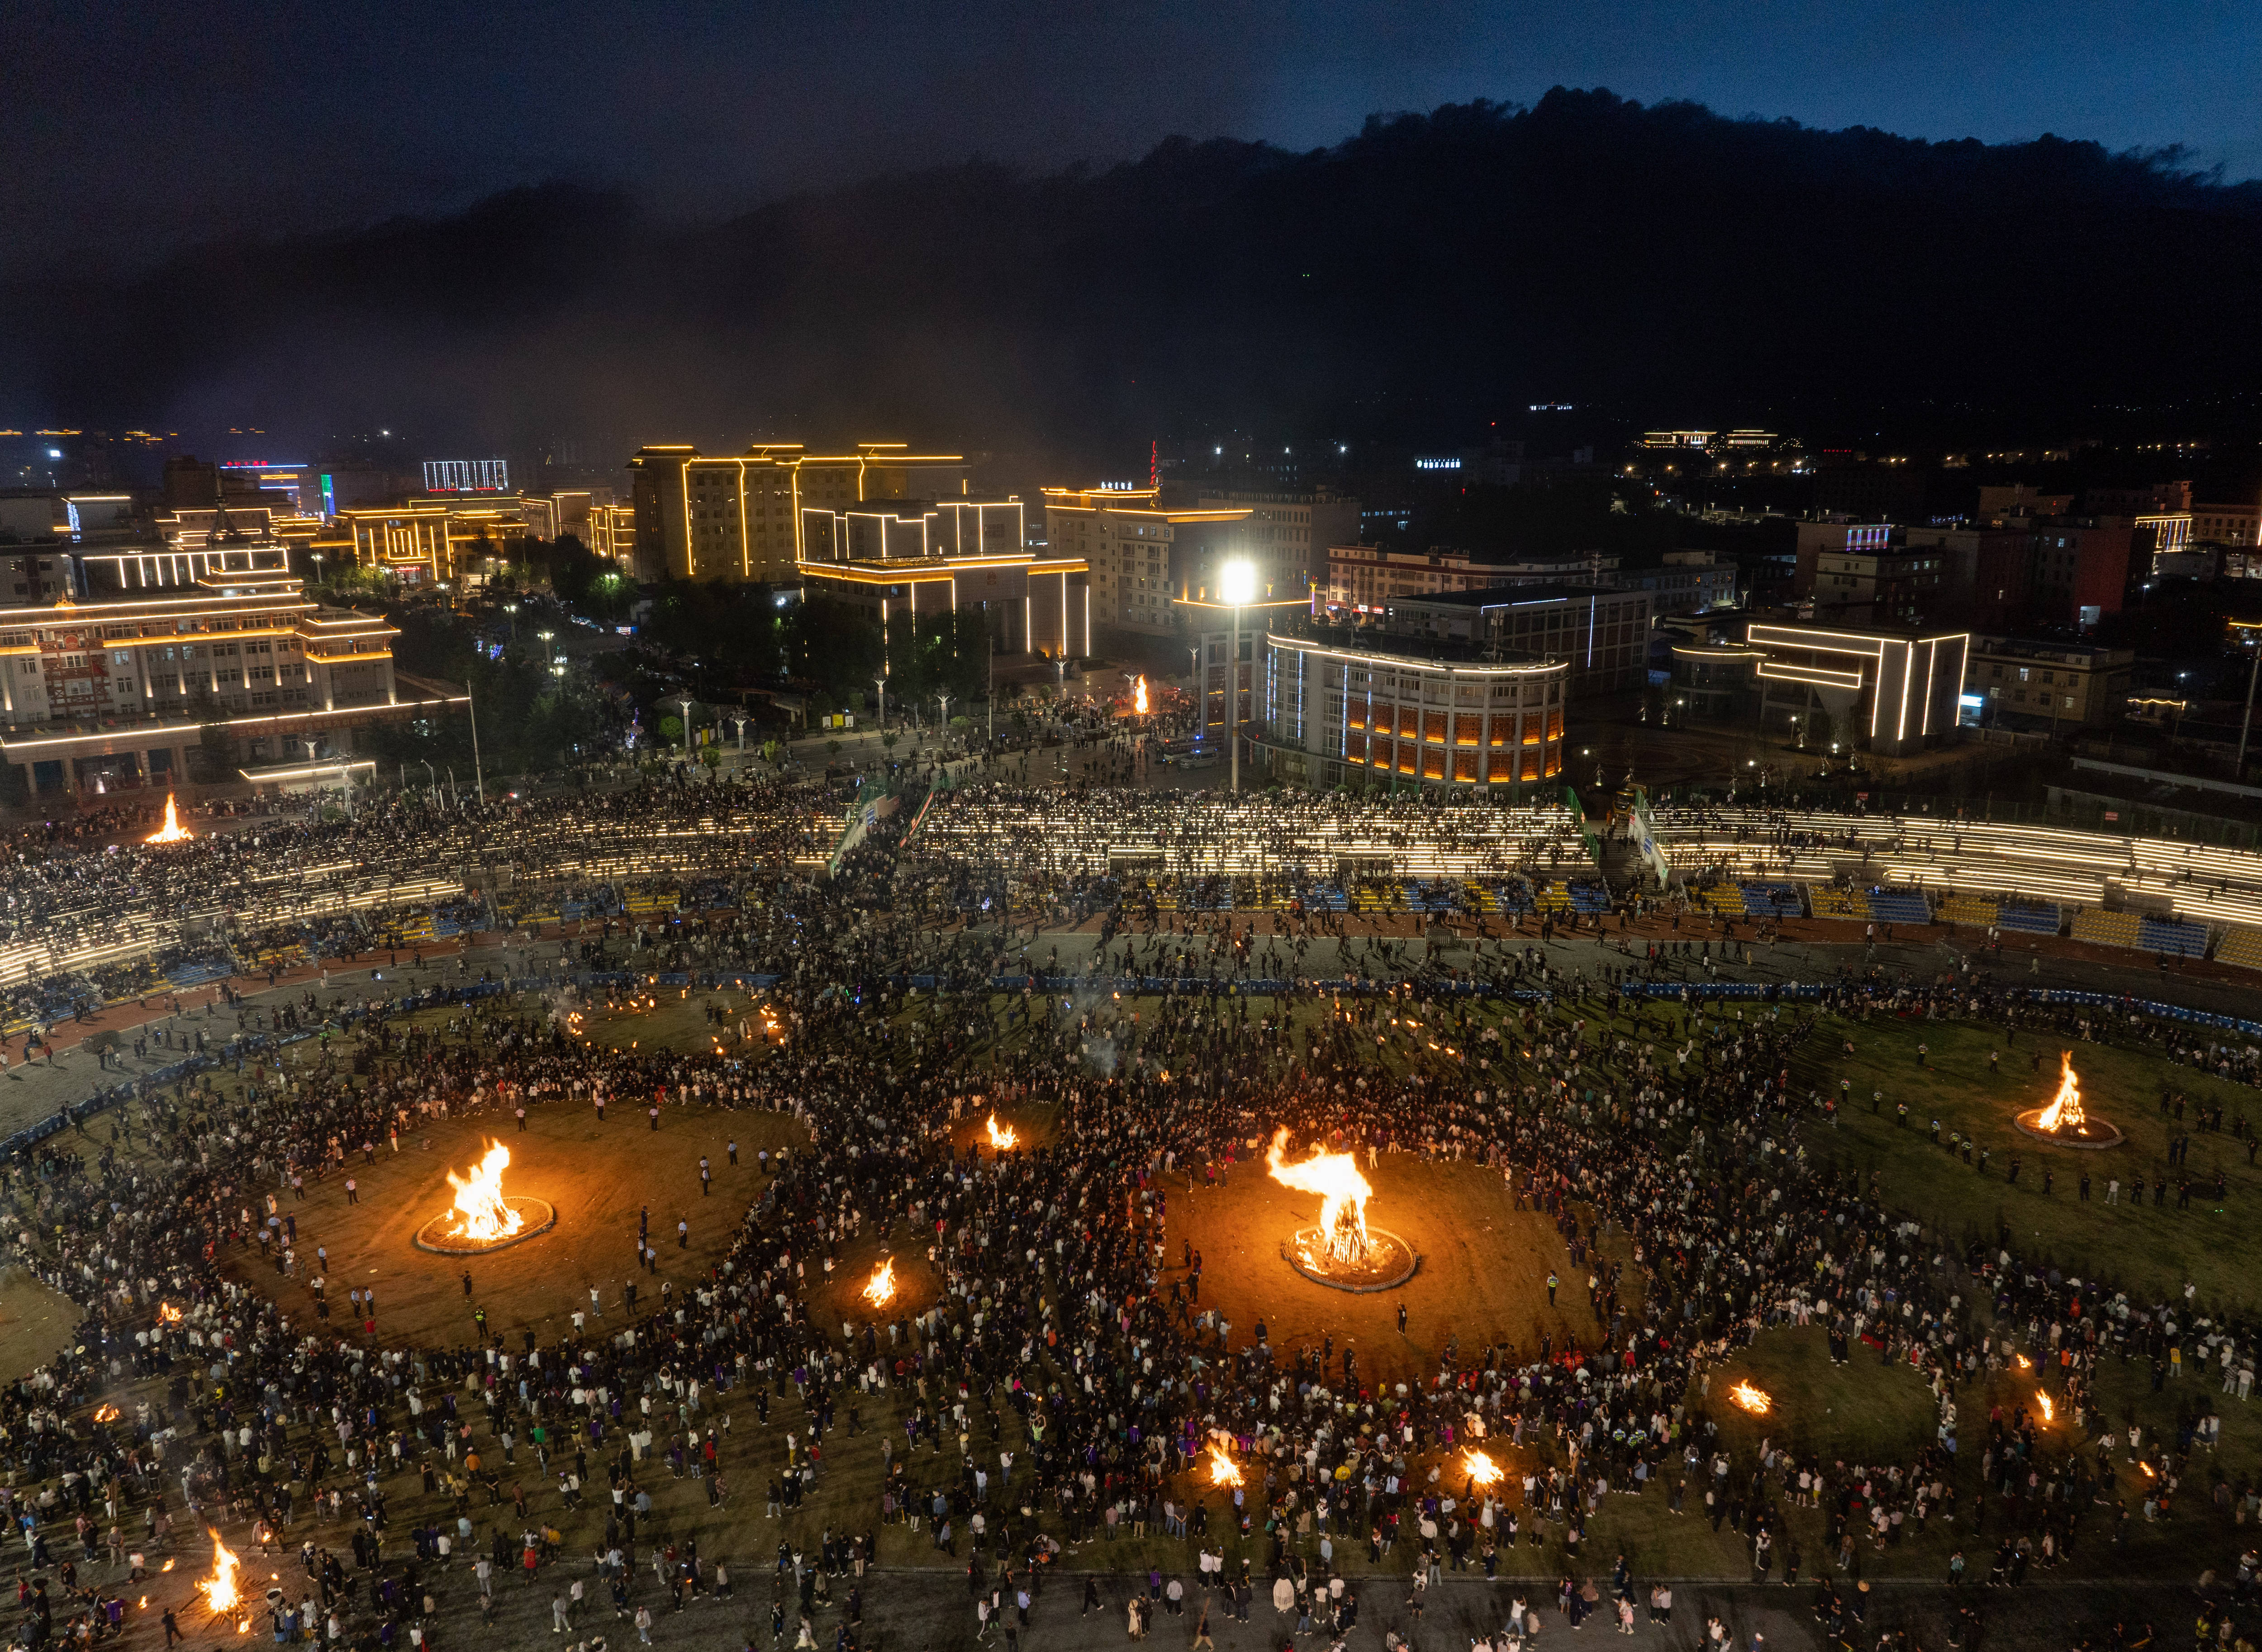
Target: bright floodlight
1237 583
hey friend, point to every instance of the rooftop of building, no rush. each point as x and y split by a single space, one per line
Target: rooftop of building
2047 648
1509 596
1379 644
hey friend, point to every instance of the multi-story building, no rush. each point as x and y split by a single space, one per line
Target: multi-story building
2077 571
1986 568
1366 579
1868 574
1885 690
1032 604
1601 632
2237 523
2046 686
1338 705
426 541
738 517
1287 536
611 531
1144 554
106 695
892 529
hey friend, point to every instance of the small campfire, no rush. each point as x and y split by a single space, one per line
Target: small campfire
1222 1468
1483 1471
172 831
1757 1401
1004 1139
880 1290
106 1414
168 1314
2042 1402
2065 1122
1139 697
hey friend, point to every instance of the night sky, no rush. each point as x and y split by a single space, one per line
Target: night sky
137 128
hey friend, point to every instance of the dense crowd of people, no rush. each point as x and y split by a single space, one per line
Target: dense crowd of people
1066 1376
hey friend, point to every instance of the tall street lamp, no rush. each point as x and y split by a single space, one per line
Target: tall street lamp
1237 584
686 703
2245 723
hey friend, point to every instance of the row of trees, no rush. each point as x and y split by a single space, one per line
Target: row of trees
755 630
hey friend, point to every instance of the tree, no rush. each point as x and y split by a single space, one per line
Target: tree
671 729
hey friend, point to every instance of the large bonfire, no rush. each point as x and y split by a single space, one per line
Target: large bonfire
2064 1111
483 1215
1344 1193
172 831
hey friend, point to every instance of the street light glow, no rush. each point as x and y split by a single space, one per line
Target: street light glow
1237 583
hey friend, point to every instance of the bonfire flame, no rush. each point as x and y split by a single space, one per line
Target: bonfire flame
486 1217
107 1414
168 1314
1344 1193
1482 1469
218 1590
172 831
1223 1469
1754 1400
1139 696
1002 1140
2064 1111
2049 1411
882 1286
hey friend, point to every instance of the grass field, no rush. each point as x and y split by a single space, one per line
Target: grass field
1481 1281
2152 1252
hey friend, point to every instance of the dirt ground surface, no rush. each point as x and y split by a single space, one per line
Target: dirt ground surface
599 1176
1482 1278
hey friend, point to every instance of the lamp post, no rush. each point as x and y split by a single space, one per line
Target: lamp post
1237 584
478 771
511 609
686 703
2246 723
881 683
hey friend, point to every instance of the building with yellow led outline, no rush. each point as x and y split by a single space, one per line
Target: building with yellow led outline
1411 712
901 561
110 695
739 517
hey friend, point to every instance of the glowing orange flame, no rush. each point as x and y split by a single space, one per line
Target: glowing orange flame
1344 1193
486 1217
168 1314
2149 1473
107 1414
1139 696
172 831
218 1590
1754 1400
882 1287
2064 1110
2049 1411
1482 1469
1223 1469
1002 1140
167 1567
2024 1364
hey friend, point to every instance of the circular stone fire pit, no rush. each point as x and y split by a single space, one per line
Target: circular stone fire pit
2091 1134
1390 1261
537 1216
